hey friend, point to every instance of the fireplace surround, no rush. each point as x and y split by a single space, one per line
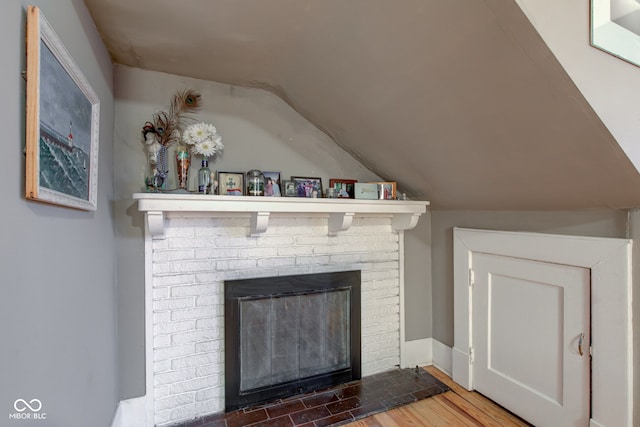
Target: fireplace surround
193 244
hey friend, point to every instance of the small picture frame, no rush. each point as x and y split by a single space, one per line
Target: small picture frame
366 190
230 183
307 186
62 122
386 190
288 188
272 184
345 188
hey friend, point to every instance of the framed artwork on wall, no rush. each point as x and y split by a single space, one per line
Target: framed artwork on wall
230 183
307 187
62 122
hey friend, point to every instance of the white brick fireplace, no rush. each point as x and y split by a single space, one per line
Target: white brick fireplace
195 243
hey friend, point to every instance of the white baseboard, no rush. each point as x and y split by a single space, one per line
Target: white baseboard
417 353
428 351
462 369
117 417
131 413
442 356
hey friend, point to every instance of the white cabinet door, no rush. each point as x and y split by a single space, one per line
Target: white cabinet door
529 318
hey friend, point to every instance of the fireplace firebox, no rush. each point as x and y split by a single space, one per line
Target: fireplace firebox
289 335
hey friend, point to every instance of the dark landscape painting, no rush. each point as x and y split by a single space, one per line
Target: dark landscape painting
65 130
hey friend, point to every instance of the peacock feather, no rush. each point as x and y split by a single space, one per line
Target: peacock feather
169 124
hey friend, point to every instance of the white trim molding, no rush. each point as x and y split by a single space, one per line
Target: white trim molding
131 413
425 352
117 417
611 329
417 353
610 33
339 212
441 356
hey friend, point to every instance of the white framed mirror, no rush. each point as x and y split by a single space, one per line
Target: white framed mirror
615 28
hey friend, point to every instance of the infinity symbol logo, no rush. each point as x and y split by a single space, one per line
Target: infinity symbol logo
37 405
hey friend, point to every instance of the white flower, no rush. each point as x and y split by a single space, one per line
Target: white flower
206 148
203 139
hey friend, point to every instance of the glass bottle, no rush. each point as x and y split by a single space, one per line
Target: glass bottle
204 177
255 183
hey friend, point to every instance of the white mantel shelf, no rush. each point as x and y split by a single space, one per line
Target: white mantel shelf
157 206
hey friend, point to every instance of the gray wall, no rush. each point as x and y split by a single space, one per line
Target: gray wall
57 265
609 223
417 280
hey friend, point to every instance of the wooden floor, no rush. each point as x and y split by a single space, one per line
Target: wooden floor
457 407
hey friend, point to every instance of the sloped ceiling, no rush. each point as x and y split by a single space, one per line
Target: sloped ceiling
459 101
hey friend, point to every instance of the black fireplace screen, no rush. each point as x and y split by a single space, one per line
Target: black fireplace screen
290 334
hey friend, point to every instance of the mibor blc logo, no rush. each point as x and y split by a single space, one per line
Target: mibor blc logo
27 410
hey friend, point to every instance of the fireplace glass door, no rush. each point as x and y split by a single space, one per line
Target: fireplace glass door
304 335
289 335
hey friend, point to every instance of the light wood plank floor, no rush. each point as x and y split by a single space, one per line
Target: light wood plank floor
457 407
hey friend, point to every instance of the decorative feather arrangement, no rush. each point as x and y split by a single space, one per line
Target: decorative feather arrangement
166 128
169 124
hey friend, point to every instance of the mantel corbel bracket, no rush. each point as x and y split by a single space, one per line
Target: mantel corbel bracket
405 221
155 223
339 221
259 223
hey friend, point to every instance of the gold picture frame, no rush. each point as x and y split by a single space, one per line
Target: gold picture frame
62 123
387 190
231 183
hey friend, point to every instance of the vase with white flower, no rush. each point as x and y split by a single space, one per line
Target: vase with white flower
203 140
163 131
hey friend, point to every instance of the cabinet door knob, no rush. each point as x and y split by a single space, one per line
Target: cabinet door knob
580 341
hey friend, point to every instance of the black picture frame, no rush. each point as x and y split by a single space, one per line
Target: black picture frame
307 186
288 188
